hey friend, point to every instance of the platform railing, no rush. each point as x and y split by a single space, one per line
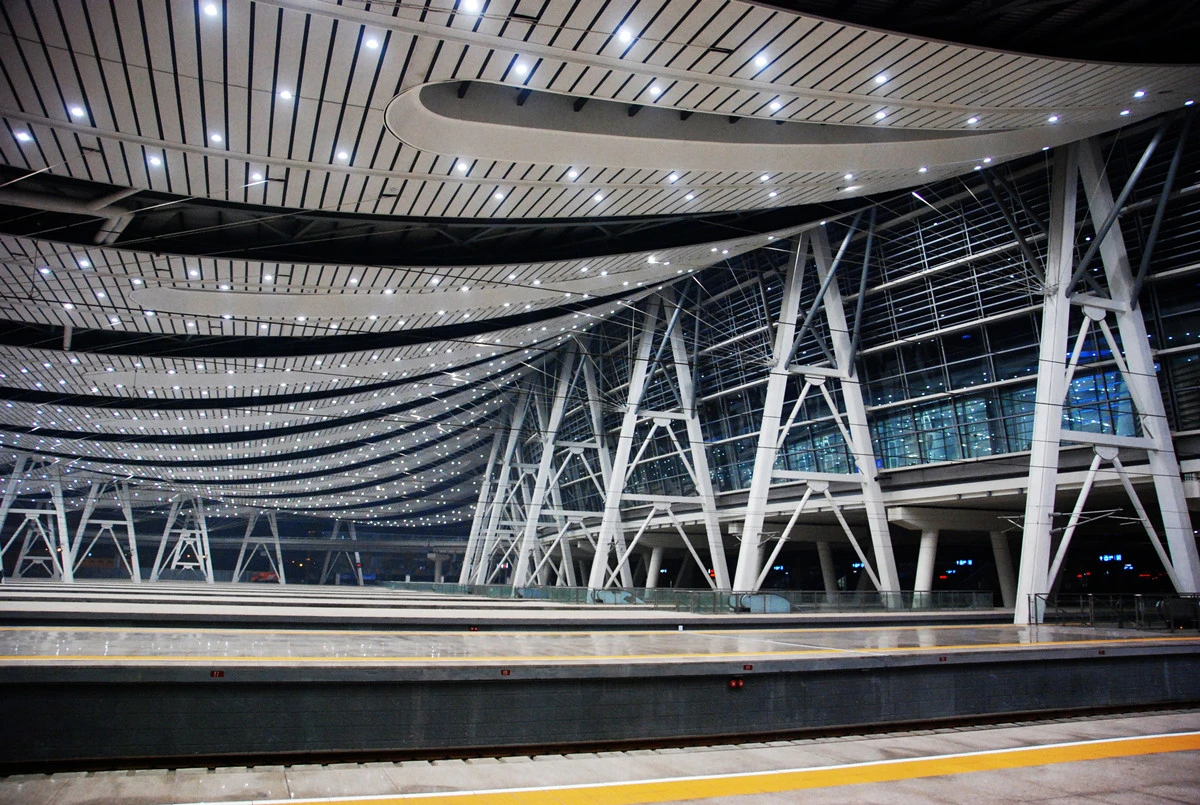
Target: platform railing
708 601
1122 611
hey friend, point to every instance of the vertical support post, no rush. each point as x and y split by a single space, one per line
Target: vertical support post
926 558
1004 568
828 575
1051 389
162 545
125 500
549 438
610 525
749 553
66 557
202 526
1141 377
653 569
695 434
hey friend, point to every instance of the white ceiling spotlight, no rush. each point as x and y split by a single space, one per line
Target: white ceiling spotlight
211 10
216 138
881 78
971 121
78 111
761 61
775 106
520 68
625 36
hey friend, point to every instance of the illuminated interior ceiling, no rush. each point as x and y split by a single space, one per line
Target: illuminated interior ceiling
296 254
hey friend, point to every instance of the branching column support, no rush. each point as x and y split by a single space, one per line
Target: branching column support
548 438
1140 375
99 491
611 525
479 572
1134 360
702 477
750 552
187 528
861 448
268 545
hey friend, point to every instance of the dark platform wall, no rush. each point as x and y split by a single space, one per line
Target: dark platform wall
63 717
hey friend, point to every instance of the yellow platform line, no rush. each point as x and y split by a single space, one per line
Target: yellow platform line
774 782
575 658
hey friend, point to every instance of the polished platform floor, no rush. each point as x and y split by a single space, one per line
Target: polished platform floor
1127 759
59 646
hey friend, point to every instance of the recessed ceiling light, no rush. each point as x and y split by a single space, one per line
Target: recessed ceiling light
1141 93
880 115
572 174
655 90
342 155
689 197
761 61
1124 112
216 138
469 6
881 78
283 93
520 68
765 177
498 196
598 198
848 176
772 194
1188 102
971 121
85 264
210 9
155 161
462 167
23 136
987 160
78 111
256 177
922 169
44 270
625 36
267 278
776 106
674 177
68 306
372 43
149 313
1052 119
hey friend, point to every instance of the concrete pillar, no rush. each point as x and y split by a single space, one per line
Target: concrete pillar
925 560
652 571
828 576
1004 568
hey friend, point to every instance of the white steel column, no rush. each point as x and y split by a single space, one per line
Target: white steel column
267 545
548 438
1004 568
750 553
485 489
702 476
66 558
861 447
926 558
1051 388
611 524
1141 377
